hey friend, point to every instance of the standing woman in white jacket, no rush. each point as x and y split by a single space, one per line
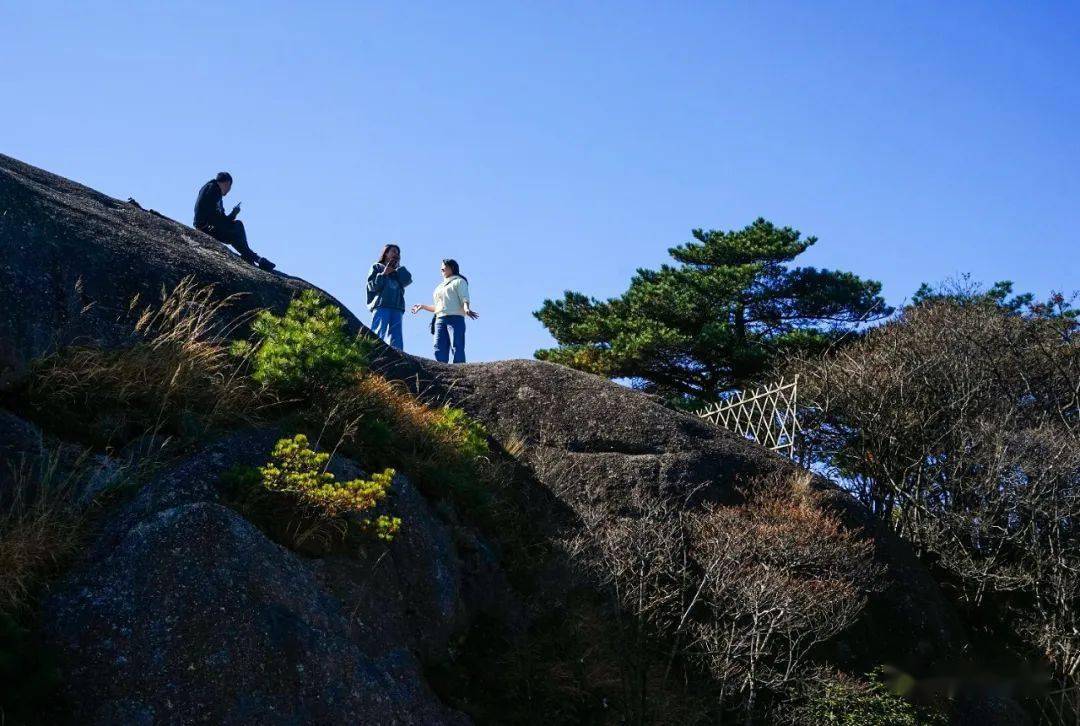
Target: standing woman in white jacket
451 307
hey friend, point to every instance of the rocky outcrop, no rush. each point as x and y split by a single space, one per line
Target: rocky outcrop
196 618
181 610
589 440
74 258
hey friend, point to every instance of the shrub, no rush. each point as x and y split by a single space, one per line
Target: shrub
742 592
782 576
305 505
454 427
846 701
176 379
306 350
957 424
308 353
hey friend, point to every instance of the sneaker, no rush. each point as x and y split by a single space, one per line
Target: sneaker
265 264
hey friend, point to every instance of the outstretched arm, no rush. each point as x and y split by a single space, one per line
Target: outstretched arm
419 306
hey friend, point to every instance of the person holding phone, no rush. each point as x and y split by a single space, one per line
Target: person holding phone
451 307
386 283
210 217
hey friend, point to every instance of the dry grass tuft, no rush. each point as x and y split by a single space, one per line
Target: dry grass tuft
40 526
177 379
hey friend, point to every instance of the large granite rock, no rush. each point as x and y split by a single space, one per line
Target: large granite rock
181 611
71 259
589 440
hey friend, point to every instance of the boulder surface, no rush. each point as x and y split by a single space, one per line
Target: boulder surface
181 611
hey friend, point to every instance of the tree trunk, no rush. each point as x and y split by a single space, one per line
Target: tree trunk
740 325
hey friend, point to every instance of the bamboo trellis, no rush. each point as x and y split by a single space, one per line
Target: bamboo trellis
768 415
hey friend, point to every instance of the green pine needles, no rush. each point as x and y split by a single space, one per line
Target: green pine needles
731 306
465 434
305 506
847 701
309 348
307 357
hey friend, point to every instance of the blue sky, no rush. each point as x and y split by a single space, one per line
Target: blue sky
551 146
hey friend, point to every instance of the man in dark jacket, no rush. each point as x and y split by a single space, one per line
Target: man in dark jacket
210 217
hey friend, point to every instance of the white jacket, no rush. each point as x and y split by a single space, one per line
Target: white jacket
451 295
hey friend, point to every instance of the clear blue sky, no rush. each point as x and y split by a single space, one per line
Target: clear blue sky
551 146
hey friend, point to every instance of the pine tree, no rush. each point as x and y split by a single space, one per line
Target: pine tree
717 320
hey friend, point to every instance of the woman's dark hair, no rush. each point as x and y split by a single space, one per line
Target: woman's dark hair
223 176
454 268
386 250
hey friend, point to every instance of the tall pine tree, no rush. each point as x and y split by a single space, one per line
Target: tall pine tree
717 320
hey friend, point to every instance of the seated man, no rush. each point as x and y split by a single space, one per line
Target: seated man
210 217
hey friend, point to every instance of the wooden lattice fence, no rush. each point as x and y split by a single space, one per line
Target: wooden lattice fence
768 415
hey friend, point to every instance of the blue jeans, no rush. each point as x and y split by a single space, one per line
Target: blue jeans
386 323
450 333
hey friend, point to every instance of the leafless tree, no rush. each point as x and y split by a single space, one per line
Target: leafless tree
743 592
780 576
959 425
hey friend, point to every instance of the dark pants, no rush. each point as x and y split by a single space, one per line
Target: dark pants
232 233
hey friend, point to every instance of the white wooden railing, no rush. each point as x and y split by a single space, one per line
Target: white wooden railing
768 415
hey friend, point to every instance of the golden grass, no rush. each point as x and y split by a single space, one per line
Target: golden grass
178 378
380 417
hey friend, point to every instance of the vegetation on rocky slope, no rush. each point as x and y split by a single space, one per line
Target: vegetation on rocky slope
958 425
681 611
486 583
690 623
303 506
183 381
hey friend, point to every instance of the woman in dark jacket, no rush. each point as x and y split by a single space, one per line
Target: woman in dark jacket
386 283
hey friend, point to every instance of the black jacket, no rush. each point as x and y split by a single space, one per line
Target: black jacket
209 210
